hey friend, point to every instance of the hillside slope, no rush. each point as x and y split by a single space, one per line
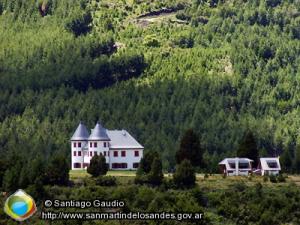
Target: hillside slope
220 67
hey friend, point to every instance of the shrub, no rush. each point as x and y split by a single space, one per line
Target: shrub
106 181
266 178
97 166
273 178
281 178
239 186
184 175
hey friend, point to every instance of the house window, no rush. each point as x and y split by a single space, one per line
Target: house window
77 165
74 153
108 153
85 165
104 153
104 144
136 153
91 153
95 153
95 144
115 153
119 165
123 153
74 144
79 144
91 144
135 165
101 153
79 153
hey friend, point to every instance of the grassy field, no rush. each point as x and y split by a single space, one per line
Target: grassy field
215 181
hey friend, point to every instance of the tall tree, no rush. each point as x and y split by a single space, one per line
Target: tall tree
97 166
155 177
286 161
150 169
57 172
184 175
248 148
190 149
297 160
146 161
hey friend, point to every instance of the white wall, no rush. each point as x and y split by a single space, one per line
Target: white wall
77 159
99 149
129 159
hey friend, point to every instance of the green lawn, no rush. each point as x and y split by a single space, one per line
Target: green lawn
82 173
212 182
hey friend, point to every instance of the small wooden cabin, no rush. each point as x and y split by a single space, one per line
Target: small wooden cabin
236 166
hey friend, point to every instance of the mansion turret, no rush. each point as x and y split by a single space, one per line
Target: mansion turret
120 149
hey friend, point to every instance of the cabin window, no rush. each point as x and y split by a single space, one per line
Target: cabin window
272 165
74 144
123 153
232 165
77 165
244 165
79 144
136 153
79 153
95 144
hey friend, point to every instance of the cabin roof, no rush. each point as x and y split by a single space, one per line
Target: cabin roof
270 164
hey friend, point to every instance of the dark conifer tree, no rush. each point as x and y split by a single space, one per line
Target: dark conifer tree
155 177
297 160
286 161
190 149
97 166
248 148
57 172
185 174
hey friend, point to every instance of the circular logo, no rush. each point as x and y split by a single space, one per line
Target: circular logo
20 206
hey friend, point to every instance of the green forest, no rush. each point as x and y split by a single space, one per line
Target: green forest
157 69
218 67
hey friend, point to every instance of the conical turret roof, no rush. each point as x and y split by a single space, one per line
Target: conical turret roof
99 133
81 133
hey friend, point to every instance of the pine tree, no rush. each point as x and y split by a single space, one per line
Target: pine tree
146 161
297 160
97 166
190 149
286 161
57 172
248 148
156 176
184 175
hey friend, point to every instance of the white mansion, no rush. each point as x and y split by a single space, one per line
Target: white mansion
121 150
